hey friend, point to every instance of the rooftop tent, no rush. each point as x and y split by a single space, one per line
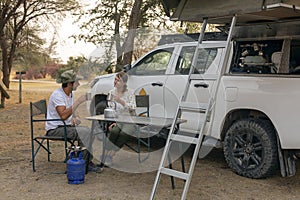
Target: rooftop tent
220 12
169 4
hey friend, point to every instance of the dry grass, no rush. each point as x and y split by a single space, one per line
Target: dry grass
14 118
212 178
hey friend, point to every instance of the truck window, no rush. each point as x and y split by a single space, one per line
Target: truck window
155 63
260 57
295 57
205 58
267 57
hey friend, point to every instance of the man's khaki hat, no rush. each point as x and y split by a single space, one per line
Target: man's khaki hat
68 77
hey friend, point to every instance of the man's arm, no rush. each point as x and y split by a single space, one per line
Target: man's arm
65 113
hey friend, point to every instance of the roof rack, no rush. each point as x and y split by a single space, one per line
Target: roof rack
191 37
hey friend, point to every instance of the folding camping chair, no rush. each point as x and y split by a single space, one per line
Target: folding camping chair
38 114
143 133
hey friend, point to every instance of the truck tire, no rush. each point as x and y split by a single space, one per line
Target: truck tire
250 148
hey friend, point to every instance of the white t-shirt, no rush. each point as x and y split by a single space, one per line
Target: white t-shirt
58 98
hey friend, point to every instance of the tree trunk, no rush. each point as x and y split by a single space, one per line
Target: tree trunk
7 58
118 40
5 64
2 100
4 95
134 20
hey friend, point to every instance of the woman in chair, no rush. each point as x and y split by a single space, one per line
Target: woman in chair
124 102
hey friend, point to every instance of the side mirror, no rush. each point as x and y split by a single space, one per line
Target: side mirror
127 67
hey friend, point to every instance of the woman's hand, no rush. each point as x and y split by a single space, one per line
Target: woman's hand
119 100
111 126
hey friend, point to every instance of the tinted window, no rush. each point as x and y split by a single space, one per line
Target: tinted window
185 60
155 63
205 58
294 57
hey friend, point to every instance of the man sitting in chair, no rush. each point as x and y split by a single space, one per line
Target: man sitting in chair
61 105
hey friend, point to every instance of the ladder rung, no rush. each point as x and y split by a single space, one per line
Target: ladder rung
172 172
196 107
183 138
201 77
194 132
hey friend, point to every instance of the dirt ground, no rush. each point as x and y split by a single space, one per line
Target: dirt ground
212 178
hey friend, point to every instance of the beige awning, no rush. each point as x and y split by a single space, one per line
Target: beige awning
220 12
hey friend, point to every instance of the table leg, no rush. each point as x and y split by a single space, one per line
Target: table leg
104 154
90 147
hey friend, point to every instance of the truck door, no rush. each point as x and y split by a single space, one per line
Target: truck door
148 76
206 71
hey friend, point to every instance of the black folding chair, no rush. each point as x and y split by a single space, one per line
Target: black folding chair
38 114
143 133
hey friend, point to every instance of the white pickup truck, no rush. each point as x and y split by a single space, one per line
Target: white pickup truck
257 103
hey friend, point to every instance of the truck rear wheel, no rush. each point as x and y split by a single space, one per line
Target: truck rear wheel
250 148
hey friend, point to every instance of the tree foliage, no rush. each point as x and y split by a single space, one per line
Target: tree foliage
31 50
16 15
73 63
114 24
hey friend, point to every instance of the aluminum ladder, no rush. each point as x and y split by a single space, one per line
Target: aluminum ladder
185 106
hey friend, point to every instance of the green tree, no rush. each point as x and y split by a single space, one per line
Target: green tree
115 24
31 51
73 63
15 16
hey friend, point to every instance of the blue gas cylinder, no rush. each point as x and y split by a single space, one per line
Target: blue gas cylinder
75 169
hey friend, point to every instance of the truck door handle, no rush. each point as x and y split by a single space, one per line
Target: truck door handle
204 85
157 84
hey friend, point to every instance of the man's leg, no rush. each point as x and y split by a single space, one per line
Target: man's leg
60 132
84 139
80 133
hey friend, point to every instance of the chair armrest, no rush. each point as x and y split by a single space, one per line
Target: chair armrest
45 120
